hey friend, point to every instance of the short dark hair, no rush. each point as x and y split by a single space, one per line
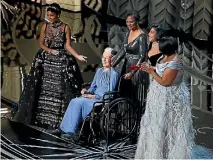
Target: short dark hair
160 30
168 45
54 7
135 15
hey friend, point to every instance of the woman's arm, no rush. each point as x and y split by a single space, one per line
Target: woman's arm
167 77
68 45
41 39
118 57
121 53
142 50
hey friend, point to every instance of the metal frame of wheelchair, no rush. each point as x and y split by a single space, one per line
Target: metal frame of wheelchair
113 118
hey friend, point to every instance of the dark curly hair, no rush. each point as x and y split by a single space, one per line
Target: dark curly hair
54 7
135 15
160 30
168 45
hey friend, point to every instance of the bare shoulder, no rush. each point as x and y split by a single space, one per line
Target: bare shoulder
177 58
44 26
66 26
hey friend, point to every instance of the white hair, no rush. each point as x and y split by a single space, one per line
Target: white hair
108 49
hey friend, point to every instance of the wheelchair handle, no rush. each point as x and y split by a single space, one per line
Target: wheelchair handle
86 84
119 83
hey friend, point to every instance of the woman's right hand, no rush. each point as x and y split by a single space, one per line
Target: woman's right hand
128 76
52 51
55 52
146 68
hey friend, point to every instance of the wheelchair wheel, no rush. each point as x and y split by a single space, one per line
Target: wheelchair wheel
122 116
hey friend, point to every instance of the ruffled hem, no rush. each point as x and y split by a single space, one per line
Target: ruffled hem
166 127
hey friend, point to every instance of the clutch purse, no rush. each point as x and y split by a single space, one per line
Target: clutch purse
137 67
134 68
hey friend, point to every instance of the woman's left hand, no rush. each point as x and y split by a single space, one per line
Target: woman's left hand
82 58
128 76
90 96
146 68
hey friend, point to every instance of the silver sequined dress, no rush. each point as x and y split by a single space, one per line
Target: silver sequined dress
166 130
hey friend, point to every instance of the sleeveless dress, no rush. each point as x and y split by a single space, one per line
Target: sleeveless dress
52 82
166 127
153 59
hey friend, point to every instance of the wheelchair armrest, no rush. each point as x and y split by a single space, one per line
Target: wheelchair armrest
86 84
110 95
98 106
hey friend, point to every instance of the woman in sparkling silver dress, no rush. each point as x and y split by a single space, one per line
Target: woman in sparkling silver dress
166 127
54 76
134 83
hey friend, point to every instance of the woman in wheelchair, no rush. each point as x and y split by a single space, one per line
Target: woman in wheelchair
105 80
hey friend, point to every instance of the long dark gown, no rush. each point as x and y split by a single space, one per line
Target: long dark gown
131 54
52 82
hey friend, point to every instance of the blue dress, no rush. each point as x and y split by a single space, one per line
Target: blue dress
79 108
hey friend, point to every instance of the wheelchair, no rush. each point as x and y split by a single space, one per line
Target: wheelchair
113 118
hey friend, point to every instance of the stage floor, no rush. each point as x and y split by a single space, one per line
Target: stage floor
23 141
28 142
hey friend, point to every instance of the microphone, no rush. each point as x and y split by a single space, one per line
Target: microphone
46 20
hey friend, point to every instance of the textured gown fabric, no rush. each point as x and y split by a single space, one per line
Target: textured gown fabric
166 126
52 82
132 54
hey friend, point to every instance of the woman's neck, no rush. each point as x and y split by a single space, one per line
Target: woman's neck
136 29
106 68
56 21
154 44
170 57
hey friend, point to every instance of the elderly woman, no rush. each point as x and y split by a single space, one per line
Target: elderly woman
105 80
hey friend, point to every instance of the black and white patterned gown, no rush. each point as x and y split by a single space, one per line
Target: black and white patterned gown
52 82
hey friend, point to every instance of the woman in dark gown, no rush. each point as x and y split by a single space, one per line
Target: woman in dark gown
155 33
134 52
54 77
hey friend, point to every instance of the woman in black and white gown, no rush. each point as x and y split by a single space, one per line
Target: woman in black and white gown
54 76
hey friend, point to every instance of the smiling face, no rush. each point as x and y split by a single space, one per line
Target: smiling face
52 16
106 59
152 35
131 23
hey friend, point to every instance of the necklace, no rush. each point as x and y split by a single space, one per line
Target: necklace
56 24
154 45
